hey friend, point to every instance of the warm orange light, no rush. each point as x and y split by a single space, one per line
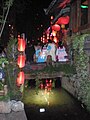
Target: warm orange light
62 26
21 61
51 17
54 33
63 20
20 78
48 36
21 44
55 39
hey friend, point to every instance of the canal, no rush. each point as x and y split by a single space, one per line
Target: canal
54 105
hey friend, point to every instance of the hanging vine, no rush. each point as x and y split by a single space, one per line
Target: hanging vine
81 63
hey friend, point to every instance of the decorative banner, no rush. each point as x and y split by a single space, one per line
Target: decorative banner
20 78
21 44
21 61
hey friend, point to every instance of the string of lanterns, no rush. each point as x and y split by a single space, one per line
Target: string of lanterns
59 26
21 61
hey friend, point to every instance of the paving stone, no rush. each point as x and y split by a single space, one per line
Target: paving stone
14 116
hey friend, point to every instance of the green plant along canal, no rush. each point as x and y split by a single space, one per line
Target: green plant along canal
55 104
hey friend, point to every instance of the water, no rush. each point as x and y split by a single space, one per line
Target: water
58 105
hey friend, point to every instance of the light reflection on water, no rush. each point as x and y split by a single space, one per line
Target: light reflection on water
58 104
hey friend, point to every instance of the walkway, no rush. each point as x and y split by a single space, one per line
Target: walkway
14 116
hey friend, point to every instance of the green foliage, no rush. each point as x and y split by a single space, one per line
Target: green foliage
3 60
37 85
4 98
81 62
12 50
66 68
1 86
11 69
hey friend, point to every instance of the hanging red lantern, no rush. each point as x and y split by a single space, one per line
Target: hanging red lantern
21 44
63 20
20 78
21 61
56 27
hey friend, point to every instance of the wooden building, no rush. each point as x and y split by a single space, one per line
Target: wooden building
78 10
80 16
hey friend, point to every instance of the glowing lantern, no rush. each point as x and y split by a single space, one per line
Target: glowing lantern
63 20
51 17
54 33
21 44
50 81
56 27
55 39
46 81
21 61
48 36
62 26
20 78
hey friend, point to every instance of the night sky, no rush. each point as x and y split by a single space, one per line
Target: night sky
31 18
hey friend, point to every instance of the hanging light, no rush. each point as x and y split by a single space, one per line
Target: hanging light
55 39
56 27
54 32
21 61
21 44
48 36
20 78
63 26
63 20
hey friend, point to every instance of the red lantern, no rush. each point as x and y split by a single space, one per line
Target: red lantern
21 44
56 27
20 78
21 61
63 20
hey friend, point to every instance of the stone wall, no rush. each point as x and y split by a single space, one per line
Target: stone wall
71 85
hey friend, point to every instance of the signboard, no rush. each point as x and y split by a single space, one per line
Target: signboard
87 45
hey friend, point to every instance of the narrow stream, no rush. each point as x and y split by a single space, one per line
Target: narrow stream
55 105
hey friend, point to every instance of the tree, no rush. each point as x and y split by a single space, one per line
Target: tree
6 7
11 70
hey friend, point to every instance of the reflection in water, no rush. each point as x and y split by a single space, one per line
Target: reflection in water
58 105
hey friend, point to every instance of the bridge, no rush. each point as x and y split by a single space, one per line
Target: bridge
42 70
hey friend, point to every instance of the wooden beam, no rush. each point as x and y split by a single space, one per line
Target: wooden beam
88 11
43 75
